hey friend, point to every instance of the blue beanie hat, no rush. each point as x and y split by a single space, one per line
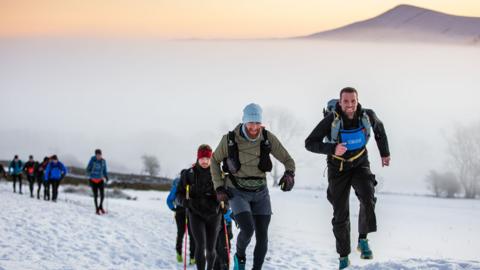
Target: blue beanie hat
252 113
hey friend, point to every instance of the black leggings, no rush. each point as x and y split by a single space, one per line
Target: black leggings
205 232
15 178
39 183
31 183
180 220
249 224
95 188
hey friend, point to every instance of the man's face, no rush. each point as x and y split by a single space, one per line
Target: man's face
349 103
99 156
55 161
204 162
31 159
253 129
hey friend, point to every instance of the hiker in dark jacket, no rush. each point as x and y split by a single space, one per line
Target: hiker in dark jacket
30 169
54 173
97 173
180 219
342 135
2 172
40 178
15 170
195 192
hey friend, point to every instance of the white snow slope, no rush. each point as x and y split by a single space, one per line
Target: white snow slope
414 233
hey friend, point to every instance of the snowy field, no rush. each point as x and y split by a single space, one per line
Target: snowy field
414 233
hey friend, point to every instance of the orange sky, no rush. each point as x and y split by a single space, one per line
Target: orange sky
197 18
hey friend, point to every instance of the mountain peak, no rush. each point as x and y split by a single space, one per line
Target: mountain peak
410 23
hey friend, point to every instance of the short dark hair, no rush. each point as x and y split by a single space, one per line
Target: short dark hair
31 156
348 90
54 157
15 157
98 152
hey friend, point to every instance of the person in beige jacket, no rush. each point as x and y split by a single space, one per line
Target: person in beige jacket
239 167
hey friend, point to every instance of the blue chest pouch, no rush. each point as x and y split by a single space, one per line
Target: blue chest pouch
354 138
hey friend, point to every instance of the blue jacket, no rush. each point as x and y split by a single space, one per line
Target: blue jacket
55 172
15 168
97 168
173 195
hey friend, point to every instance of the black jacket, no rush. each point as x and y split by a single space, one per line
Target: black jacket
315 141
203 199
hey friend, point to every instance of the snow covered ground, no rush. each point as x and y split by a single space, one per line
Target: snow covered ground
414 233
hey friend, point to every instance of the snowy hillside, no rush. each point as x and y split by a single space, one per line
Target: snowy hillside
415 233
410 23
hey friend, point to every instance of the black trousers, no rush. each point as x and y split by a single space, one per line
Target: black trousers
205 232
31 183
250 224
222 261
98 188
16 178
180 220
54 184
46 190
338 193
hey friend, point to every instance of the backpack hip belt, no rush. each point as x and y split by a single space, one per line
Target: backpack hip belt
349 159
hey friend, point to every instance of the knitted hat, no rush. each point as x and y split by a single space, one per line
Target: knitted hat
252 113
204 151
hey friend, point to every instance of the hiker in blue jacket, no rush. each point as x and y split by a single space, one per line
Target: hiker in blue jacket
54 173
15 170
97 173
180 221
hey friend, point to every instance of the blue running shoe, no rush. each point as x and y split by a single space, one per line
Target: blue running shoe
365 251
238 264
344 263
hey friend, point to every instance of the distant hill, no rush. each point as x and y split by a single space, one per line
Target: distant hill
76 176
409 24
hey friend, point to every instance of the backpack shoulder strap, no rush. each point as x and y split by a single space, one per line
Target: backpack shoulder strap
337 124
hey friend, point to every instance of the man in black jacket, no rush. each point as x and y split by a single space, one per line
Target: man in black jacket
342 135
30 168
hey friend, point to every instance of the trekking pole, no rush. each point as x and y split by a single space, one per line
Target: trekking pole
186 230
226 235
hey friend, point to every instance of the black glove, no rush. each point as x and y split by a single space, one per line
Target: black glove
223 195
106 179
287 181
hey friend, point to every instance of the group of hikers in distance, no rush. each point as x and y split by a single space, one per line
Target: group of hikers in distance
50 173
230 184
